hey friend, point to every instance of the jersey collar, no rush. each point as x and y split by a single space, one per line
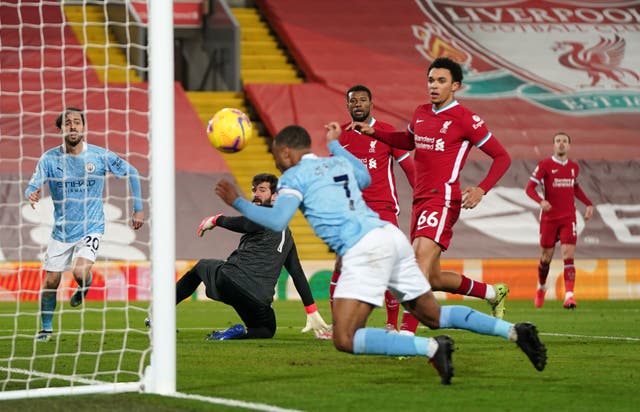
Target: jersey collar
454 103
555 159
84 148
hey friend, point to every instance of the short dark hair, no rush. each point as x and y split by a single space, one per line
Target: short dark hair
293 136
561 134
446 63
265 177
358 88
62 115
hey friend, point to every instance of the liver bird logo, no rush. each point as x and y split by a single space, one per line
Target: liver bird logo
601 61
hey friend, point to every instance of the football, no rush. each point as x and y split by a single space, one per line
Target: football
229 130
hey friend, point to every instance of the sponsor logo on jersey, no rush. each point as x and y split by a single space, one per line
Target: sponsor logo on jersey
439 145
478 122
424 142
554 171
559 182
75 185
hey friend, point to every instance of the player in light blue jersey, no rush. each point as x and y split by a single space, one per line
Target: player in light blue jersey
75 172
375 256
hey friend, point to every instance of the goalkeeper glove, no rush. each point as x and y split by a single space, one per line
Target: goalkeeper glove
208 223
315 322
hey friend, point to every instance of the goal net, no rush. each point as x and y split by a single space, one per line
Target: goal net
94 56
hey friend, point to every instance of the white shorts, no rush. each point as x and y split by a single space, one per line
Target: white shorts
60 255
383 259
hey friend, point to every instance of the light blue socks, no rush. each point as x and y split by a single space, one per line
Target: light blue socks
373 341
47 307
463 317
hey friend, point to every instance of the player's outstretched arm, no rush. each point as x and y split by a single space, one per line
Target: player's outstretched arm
275 218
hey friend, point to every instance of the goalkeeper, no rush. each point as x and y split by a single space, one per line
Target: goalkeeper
247 279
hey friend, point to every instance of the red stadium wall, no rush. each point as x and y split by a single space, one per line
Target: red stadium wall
524 93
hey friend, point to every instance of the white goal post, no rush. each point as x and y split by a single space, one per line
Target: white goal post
102 346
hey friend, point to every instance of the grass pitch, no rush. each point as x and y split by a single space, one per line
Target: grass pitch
594 359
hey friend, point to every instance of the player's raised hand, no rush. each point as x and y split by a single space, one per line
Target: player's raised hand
227 191
34 198
333 131
137 220
208 223
361 127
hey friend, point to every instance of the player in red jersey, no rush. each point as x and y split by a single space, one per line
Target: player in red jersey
381 195
558 176
442 133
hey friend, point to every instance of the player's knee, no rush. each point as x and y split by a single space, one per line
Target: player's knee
436 280
51 281
343 341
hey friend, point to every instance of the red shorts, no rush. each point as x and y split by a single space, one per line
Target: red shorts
563 230
434 218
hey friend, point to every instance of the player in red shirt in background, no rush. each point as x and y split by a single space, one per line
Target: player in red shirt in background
442 133
558 176
381 195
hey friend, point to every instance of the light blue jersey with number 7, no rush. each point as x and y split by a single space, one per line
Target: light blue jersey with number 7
327 190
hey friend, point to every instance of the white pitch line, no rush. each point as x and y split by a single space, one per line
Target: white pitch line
233 402
569 335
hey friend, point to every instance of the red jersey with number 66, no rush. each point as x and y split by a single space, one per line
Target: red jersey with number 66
443 139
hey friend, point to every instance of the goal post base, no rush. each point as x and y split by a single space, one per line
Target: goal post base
107 388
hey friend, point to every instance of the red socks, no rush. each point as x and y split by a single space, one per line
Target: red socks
393 308
569 275
471 287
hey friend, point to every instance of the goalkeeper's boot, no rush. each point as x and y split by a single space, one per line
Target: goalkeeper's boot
539 301
527 339
234 332
44 336
78 296
441 360
570 303
497 304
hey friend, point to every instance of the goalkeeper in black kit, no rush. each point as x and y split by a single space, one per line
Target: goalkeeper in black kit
247 279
